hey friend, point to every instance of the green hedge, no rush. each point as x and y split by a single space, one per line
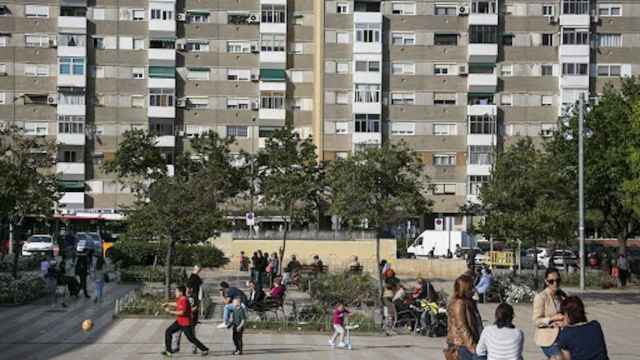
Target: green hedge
131 253
351 290
25 263
151 274
28 287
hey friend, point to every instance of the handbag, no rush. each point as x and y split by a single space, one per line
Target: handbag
451 353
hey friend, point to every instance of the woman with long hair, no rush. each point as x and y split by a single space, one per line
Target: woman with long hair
465 323
501 341
546 314
580 339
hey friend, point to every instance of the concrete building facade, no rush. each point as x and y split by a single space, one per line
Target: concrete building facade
453 79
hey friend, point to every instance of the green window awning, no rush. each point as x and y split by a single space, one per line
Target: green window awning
163 72
71 186
272 75
198 12
480 94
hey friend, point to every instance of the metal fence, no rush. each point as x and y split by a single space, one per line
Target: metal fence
305 235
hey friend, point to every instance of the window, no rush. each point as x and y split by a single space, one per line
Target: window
36 11
237 131
444 189
610 10
3 69
198 74
572 36
36 70
137 14
271 100
445 129
444 159
609 40
548 10
483 34
4 41
482 124
575 7
610 70
238 75
162 72
98 42
547 39
480 154
546 70
368 33
71 65
161 97
138 44
480 68
70 124
442 69
342 127
71 40
444 10
161 14
98 14
506 99
367 66
403 128
403 38
342 8
483 6
575 69
273 14
137 101
546 130
238 46
403 8
273 42
238 103
476 182
36 128
342 67
198 45
507 39
70 156
342 97
266 131
444 98
342 37
547 100
36 40
506 70
403 68
137 73
367 93
445 39
403 98
198 102
3 98
71 96
240 18
367 123
197 17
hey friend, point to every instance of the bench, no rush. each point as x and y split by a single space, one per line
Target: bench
313 269
270 306
355 270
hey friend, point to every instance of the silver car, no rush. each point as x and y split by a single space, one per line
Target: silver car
88 242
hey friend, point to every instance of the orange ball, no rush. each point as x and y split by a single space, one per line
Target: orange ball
87 325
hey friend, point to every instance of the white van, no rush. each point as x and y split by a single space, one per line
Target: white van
440 242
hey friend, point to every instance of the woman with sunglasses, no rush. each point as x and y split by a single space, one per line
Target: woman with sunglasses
546 314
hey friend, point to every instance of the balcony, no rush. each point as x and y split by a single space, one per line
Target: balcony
574 81
70 139
367 18
162 54
71 170
273 28
271 57
272 114
273 86
162 25
574 53
161 111
366 108
366 138
76 24
481 139
482 53
477 110
482 83
483 19
72 80
166 141
571 20
154 83
72 200
72 51
473 169
64 109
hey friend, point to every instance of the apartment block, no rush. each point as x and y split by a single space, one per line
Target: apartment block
455 80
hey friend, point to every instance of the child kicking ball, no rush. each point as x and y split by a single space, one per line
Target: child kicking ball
339 313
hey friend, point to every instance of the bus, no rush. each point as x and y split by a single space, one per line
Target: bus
109 224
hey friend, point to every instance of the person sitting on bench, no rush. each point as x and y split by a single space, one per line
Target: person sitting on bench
256 296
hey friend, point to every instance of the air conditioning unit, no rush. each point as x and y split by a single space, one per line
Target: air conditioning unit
53 43
181 103
255 49
462 70
463 10
255 105
255 77
180 46
181 17
253 18
52 99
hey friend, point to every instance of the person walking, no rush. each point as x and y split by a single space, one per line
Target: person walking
623 269
230 293
464 323
99 274
339 313
238 320
579 338
70 243
82 271
195 309
501 341
243 262
182 310
546 314
254 266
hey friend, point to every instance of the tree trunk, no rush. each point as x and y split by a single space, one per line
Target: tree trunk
535 264
622 244
380 282
167 268
284 241
16 250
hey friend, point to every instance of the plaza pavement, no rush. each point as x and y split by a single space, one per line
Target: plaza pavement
38 332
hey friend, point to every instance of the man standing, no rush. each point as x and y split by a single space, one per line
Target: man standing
195 282
82 271
183 322
70 243
623 267
229 293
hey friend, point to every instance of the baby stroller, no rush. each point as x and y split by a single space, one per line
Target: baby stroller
433 318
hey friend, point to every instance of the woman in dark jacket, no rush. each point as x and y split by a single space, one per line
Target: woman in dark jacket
580 339
465 323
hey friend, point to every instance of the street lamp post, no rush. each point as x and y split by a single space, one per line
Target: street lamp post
581 189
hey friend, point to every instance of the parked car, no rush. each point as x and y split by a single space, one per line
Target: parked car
38 244
88 242
560 257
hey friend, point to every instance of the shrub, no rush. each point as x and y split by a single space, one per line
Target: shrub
130 253
151 274
144 304
351 290
28 287
25 263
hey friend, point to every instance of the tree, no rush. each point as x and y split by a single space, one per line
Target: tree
27 186
137 161
528 199
608 158
288 176
380 186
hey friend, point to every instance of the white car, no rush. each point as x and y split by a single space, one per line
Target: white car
42 244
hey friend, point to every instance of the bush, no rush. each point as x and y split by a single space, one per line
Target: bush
144 304
28 287
593 279
151 274
130 253
25 263
351 290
